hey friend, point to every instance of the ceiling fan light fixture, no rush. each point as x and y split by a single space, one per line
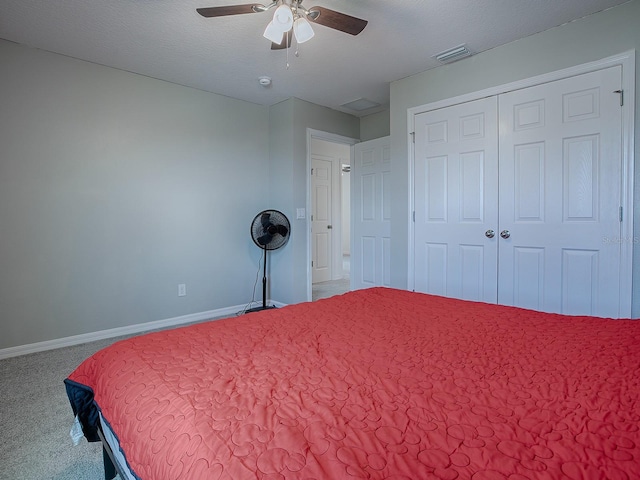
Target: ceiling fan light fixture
302 30
273 33
283 18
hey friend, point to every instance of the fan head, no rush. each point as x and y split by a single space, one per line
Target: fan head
270 229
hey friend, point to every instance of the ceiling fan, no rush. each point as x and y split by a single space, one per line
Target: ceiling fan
291 19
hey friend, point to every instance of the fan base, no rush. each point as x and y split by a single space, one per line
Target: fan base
258 309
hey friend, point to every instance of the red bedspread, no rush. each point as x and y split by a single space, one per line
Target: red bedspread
377 383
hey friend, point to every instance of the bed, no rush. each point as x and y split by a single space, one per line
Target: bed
377 383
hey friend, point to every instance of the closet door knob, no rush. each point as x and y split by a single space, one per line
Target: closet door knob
489 234
505 234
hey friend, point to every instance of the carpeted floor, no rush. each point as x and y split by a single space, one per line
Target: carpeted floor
35 418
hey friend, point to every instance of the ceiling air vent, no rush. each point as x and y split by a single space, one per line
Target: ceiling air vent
360 104
453 54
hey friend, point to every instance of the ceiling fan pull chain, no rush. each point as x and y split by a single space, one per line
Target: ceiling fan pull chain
287 40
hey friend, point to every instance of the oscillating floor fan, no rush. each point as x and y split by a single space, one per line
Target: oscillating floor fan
270 230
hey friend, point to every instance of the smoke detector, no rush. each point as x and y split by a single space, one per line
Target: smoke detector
264 81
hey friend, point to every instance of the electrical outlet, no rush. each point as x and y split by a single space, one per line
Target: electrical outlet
182 289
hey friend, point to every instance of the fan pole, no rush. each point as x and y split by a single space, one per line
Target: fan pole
264 287
264 280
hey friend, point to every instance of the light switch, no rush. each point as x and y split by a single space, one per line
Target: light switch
300 213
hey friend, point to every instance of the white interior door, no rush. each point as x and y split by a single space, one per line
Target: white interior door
456 201
321 218
560 195
371 214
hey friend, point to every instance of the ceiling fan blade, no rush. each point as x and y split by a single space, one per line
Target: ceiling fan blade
229 10
286 42
336 20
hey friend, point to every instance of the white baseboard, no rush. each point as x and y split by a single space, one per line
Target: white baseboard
121 331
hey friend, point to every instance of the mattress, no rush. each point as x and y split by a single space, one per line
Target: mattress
377 383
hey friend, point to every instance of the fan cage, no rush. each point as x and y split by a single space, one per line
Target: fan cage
277 220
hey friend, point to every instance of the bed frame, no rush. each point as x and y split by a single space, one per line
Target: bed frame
110 464
111 468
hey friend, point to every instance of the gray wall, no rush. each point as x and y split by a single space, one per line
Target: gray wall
115 188
375 125
289 121
591 38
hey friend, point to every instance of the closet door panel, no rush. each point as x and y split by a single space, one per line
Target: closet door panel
560 175
456 199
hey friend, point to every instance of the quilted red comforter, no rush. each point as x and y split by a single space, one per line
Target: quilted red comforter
377 383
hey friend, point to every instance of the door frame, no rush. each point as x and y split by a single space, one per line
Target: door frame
329 137
627 61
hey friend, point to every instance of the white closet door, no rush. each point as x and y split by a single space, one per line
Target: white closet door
456 201
371 214
560 186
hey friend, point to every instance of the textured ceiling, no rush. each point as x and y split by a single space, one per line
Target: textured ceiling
167 39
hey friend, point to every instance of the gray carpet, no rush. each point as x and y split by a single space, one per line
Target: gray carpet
35 418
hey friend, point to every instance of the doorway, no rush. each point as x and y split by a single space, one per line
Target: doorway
329 160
